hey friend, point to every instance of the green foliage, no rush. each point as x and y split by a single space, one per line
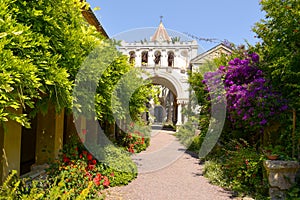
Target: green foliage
188 137
136 138
41 48
280 35
76 175
294 192
119 162
213 171
131 95
9 189
18 77
14 189
196 143
186 133
107 84
110 161
239 167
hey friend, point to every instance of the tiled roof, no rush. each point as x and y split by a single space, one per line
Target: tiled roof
161 34
90 17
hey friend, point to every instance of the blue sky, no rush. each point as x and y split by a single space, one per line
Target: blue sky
221 19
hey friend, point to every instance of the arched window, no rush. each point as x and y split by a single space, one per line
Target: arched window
157 56
132 57
145 58
171 58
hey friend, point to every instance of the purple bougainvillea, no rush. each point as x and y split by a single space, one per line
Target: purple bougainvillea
251 102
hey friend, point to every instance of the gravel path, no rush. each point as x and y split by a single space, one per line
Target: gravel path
167 172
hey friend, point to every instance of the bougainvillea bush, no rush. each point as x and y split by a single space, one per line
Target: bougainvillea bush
252 104
252 107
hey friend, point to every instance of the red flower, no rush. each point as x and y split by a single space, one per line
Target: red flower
80 156
106 182
97 179
94 162
112 174
91 167
84 153
88 174
131 150
84 131
66 159
99 175
76 148
90 156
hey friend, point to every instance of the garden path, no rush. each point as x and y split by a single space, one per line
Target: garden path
167 172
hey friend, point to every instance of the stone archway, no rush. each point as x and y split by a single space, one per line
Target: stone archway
176 82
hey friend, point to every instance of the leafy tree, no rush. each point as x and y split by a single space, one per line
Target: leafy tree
42 46
280 46
280 50
20 84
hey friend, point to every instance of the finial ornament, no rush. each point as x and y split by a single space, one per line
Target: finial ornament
161 17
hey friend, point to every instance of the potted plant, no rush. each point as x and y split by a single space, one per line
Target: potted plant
273 152
281 170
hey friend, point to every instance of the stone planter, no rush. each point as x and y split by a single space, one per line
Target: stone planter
281 176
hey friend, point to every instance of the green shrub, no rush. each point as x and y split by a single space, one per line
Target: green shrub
238 167
14 189
213 171
136 139
110 161
186 135
244 169
118 162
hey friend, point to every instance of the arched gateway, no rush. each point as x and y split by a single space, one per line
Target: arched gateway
165 61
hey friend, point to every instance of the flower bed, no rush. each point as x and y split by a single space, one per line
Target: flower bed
77 174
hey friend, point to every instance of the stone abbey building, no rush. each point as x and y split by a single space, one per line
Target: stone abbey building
166 62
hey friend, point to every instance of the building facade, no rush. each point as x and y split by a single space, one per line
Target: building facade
166 61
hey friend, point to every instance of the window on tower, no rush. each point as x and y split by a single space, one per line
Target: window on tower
171 59
132 57
157 55
145 58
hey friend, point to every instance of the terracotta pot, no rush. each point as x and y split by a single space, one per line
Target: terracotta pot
272 157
